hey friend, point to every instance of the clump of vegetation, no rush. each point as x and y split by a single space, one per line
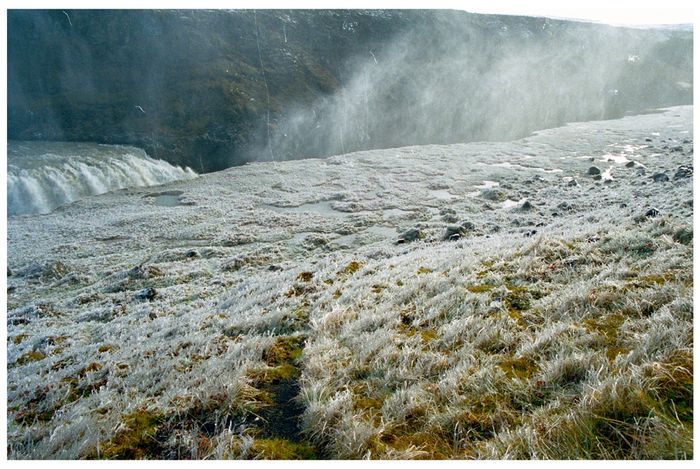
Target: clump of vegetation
351 268
136 439
29 357
277 448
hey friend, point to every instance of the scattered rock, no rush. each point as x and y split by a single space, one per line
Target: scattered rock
410 235
191 253
530 233
274 268
683 171
592 171
630 164
660 177
648 139
572 183
146 294
677 149
140 272
565 206
454 232
526 206
493 194
623 205
651 213
597 177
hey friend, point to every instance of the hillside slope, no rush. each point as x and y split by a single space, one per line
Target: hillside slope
483 300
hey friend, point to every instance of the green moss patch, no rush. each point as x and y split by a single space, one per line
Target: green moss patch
305 276
520 368
484 288
278 448
137 439
351 268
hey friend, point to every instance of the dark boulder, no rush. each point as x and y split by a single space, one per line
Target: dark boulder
454 232
146 294
684 171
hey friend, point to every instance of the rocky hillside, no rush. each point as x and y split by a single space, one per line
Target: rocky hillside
211 89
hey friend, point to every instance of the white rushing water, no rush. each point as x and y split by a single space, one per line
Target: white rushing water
44 175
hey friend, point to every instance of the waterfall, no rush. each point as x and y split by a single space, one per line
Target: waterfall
44 175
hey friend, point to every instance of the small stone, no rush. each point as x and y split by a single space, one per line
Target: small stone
572 183
530 233
623 205
660 177
146 294
454 232
410 235
493 194
526 206
467 225
191 253
274 268
651 213
648 139
592 171
597 177
629 164
684 171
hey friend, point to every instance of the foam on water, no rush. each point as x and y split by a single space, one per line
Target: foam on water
42 176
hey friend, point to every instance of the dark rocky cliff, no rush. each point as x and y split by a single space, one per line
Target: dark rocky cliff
211 89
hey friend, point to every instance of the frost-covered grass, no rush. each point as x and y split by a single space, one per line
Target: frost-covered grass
228 329
569 349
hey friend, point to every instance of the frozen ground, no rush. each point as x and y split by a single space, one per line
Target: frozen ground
436 301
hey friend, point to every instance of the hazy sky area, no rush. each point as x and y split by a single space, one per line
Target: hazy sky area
623 12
